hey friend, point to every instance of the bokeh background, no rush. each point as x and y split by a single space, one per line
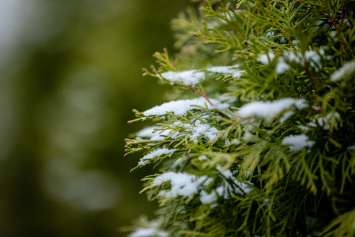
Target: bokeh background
70 75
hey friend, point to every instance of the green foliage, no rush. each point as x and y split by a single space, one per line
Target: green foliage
273 154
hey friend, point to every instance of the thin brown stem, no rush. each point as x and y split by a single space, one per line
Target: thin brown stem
203 95
314 86
238 31
342 12
335 25
206 98
222 115
331 18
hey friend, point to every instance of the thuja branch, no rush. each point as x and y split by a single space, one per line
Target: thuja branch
342 12
209 9
206 98
203 95
313 84
335 24
274 23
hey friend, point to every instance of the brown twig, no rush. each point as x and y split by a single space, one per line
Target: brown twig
206 98
203 95
314 86
223 115
335 25
342 12
238 31
331 18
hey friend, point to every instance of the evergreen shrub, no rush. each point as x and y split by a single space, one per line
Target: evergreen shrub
258 135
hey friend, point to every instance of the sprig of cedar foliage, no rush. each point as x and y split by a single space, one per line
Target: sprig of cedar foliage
308 192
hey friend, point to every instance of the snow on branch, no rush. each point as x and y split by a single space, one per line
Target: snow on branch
269 109
196 130
182 184
186 185
158 152
190 77
297 142
193 77
345 71
227 70
145 232
312 57
147 132
266 58
180 107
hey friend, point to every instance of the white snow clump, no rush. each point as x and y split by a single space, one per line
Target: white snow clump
189 77
227 70
266 58
269 109
297 142
180 107
158 152
312 57
347 70
182 184
147 132
147 232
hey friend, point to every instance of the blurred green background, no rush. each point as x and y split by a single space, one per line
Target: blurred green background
70 75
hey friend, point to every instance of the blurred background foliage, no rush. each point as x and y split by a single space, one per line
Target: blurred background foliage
70 75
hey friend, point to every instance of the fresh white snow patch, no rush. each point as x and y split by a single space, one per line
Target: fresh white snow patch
206 198
292 57
227 70
153 134
147 132
281 66
297 142
197 130
347 70
266 58
305 128
186 185
283 40
332 34
324 121
158 152
194 130
180 107
182 184
286 116
247 136
206 130
347 22
148 232
202 158
190 77
301 104
160 135
269 109
314 59
289 56
225 189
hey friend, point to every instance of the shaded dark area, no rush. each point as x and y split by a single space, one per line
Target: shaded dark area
70 75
